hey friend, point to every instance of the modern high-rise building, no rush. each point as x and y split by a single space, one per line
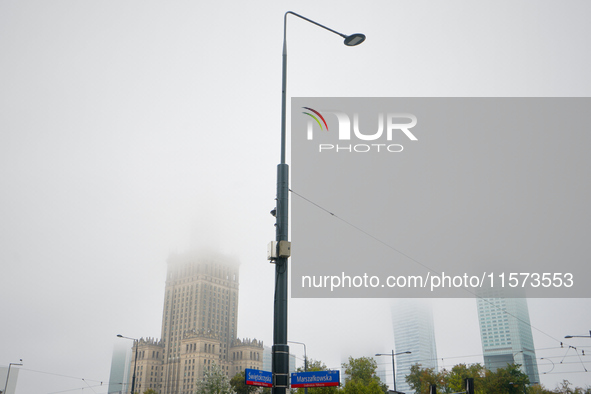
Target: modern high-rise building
383 371
506 335
8 379
199 328
120 362
412 322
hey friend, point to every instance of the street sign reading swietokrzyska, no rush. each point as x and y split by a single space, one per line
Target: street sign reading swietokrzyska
255 377
315 379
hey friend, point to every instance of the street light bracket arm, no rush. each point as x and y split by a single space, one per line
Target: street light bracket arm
306 19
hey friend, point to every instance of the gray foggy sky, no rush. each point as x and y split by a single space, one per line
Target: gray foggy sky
129 130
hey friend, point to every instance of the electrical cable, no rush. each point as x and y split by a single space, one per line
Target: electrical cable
414 260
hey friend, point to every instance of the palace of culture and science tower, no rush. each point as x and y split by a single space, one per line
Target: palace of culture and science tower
199 326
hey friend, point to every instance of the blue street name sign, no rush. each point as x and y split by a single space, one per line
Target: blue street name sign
315 379
254 377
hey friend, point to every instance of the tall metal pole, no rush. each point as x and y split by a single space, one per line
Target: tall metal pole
305 361
280 352
393 370
136 344
393 363
305 366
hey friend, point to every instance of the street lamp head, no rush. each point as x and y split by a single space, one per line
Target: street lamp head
354 39
568 336
119 336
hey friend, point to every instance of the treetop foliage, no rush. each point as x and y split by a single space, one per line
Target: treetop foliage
239 386
215 381
361 377
508 380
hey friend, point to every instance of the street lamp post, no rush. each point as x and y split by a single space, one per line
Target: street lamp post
579 336
136 344
393 364
8 375
280 353
305 361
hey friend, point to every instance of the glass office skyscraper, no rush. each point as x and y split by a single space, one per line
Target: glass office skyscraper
412 321
120 363
506 335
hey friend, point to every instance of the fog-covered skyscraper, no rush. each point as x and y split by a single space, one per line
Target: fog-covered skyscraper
412 321
200 320
199 328
120 363
506 335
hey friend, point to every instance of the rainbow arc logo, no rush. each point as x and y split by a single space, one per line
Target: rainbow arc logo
315 118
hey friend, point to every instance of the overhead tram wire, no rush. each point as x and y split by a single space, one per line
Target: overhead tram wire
450 365
78 389
90 385
482 354
363 231
64 376
416 261
580 361
101 383
577 355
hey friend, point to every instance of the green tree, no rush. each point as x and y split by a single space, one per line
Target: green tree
314 365
564 388
361 377
357 387
509 380
455 377
420 379
238 383
214 381
538 389
150 391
